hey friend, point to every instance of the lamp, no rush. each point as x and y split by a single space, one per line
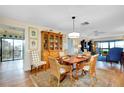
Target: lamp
74 34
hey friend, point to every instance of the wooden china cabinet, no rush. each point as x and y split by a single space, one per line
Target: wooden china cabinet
51 44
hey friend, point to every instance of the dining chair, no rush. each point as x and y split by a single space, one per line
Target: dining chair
36 62
56 69
62 56
87 53
90 67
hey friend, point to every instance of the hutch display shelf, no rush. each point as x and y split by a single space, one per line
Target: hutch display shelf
51 44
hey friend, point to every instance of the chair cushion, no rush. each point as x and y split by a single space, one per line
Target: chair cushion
62 70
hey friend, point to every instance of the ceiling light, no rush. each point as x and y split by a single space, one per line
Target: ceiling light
74 34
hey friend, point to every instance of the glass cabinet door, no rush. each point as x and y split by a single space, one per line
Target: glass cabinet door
61 43
45 45
51 42
57 43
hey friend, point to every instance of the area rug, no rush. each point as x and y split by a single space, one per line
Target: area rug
105 78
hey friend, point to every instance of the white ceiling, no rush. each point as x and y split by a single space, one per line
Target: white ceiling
104 20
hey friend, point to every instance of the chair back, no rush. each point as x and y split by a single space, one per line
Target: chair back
35 57
61 54
92 65
115 54
54 66
87 54
85 50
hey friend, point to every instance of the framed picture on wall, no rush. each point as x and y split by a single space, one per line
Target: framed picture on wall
33 44
33 32
33 38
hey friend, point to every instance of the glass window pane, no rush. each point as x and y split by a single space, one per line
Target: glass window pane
99 45
7 49
0 51
18 49
104 45
119 44
111 44
105 50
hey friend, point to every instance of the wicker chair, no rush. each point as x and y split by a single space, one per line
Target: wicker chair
62 56
91 68
56 69
87 53
36 60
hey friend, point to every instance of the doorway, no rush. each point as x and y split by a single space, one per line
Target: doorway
11 49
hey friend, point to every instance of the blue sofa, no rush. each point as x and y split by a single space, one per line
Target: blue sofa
114 55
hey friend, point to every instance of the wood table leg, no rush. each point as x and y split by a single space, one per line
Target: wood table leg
71 72
31 67
77 66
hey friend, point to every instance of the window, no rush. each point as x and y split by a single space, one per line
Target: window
119 44
99 45
104 45
7 49
112 44
18 49
11 49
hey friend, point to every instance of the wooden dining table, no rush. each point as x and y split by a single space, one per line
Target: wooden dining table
74 60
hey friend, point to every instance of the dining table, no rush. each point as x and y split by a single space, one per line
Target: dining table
77 61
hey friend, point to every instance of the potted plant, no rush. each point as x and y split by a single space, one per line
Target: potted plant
104 53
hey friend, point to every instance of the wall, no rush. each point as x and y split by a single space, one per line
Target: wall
20 24
121 37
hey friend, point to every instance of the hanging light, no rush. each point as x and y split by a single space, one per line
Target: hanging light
74 34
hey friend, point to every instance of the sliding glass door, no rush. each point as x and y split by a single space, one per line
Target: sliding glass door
18 49
11 49
7 49
0 50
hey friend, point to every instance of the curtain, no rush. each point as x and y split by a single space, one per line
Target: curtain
73 46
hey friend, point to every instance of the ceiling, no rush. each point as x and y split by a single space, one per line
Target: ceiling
105 20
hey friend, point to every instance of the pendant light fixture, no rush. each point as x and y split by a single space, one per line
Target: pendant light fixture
74 34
